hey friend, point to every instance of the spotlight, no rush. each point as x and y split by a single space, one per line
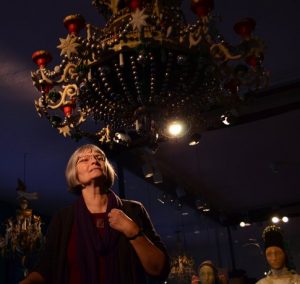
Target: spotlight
122 138
196 230
162 198
244 224
199 204
175 129
225 119
179 205
172 199
284 219
195 139
157 177
205 208
229 117
275 220
147 170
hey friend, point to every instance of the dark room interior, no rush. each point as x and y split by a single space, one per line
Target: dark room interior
196 196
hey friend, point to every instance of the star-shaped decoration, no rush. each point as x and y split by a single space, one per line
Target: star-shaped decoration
82 118
77 119
138 19
68 45
104 135
39 107
65 130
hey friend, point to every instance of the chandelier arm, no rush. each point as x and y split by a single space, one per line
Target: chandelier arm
218 50
44 77
68 91
69 70
194 42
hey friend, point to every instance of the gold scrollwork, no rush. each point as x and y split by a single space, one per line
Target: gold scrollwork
219 51
67 94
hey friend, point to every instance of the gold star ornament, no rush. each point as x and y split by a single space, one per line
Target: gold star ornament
68 45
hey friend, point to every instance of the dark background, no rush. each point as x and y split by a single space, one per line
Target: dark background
248 170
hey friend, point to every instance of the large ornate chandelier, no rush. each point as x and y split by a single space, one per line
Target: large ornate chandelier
182 268
146 68
23 233
182 265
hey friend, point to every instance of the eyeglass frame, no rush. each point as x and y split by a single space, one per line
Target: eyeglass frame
98 157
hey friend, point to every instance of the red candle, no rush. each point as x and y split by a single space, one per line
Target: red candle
245 27
41 58
202 7
74 23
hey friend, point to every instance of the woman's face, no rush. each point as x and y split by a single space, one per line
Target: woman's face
275 257
206 275
90 166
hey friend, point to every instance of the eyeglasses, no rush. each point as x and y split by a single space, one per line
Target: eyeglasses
86 158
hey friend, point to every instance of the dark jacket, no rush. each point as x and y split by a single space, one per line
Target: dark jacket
53 261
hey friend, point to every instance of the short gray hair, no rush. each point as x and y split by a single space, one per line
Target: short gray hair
74 185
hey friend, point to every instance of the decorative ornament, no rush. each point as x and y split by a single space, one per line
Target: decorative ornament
134 4
202 7
182 268
41 58
74 23
245 27
138 19
68 45
23 233
146 68
65 130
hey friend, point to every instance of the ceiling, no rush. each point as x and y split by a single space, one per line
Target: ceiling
248 169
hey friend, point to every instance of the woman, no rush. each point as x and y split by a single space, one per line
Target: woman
100 238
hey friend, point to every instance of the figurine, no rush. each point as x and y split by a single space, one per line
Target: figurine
276 257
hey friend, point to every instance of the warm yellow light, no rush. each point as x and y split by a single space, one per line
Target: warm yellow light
195 139
285 219
206 209
275 220
175 128
193 143
244 224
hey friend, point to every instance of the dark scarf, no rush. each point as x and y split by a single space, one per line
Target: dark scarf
91 245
